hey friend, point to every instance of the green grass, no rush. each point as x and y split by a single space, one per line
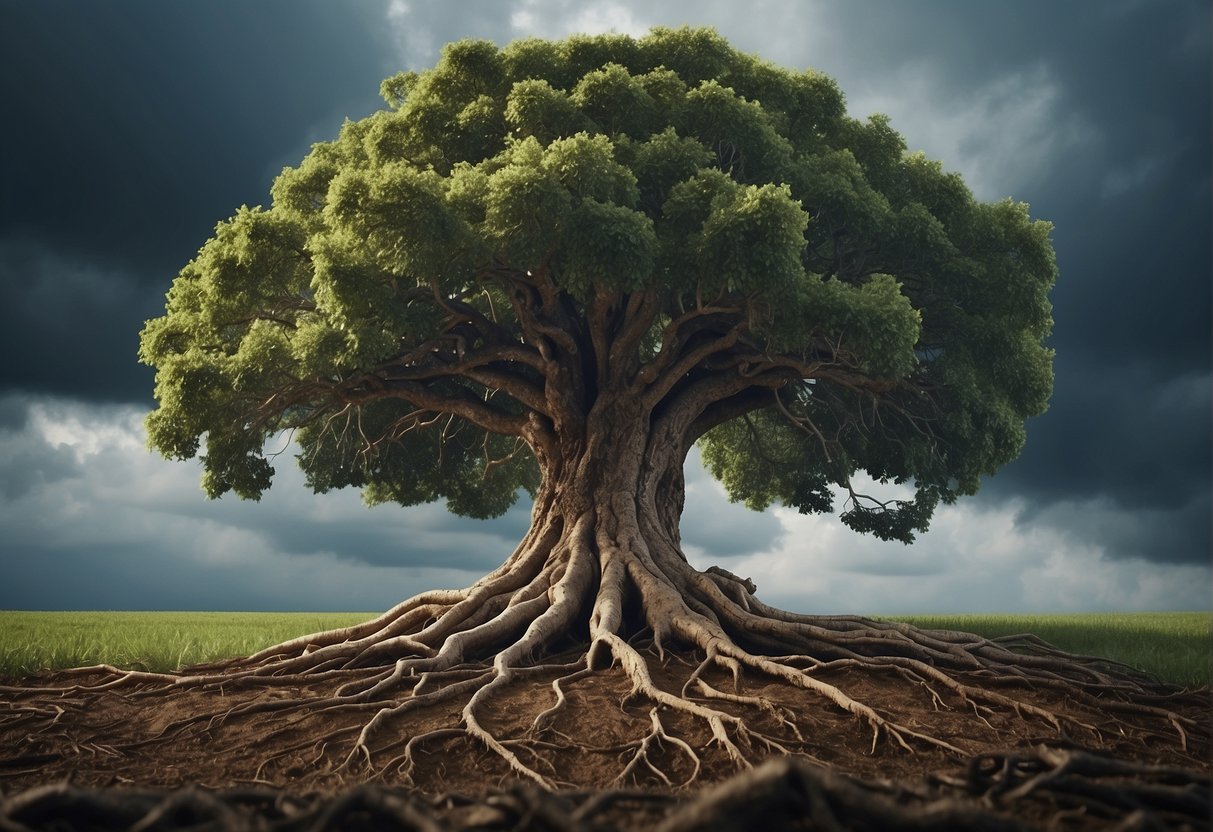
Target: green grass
32 641
1175 647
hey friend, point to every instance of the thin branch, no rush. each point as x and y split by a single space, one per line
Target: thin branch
805 424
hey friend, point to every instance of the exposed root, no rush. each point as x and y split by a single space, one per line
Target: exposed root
579 600
1048 788
642 754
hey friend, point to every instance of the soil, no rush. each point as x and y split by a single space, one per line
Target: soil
66 728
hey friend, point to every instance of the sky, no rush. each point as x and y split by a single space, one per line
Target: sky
132 127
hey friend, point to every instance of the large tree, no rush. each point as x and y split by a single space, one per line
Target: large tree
554 268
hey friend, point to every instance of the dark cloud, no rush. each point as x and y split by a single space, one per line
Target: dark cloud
71 327
1117 432
135 126
1174 533
1126 86
131 129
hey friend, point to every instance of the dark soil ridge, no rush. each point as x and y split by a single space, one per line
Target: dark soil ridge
1048 788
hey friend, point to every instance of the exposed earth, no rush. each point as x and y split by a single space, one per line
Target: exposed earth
86 749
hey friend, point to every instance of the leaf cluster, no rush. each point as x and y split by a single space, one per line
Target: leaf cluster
670 166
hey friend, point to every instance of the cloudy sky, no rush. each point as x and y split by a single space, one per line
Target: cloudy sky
132 127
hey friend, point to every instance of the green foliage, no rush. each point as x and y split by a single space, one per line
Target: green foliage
607 165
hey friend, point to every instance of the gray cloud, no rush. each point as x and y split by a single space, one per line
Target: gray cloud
291 519
28 462
14 413
71 327
104 524
120 576
83 497
717 528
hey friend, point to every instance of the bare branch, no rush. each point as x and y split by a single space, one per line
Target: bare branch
804 423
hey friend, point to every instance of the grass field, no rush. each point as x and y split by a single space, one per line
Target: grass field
1176 647
31 641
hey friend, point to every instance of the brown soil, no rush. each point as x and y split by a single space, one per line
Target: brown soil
54 728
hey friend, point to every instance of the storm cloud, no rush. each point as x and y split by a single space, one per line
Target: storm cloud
132 128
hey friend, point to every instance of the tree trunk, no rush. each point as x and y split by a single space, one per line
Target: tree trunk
604 534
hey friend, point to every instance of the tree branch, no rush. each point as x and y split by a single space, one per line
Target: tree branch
690 403
672 337
463 404
638 316
685 363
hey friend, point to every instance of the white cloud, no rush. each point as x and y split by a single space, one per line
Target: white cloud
415 40
86 432
974 559
560 18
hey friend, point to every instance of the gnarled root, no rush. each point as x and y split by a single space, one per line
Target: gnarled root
1002 793
583 606
1046 788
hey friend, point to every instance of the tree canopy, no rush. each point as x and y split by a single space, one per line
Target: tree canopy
436 300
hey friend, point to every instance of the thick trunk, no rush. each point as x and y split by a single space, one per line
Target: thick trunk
615 493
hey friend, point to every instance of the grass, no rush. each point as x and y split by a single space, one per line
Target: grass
32 641
1175 647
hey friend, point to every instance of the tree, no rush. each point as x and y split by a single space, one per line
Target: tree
555 268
